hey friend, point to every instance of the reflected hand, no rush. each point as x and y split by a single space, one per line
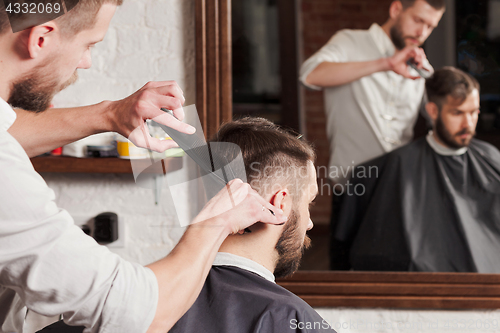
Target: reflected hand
398 62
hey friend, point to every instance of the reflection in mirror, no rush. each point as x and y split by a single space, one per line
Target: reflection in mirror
432 205
265 62
256 77
478 42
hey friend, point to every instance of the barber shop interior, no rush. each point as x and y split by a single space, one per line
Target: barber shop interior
261 166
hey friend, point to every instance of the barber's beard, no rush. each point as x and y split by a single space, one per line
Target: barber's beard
397 36
449 139
290 248
36 91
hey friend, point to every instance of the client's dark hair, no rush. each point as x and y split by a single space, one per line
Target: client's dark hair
449 81
272 155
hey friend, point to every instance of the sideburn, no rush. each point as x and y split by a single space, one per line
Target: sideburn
444 135
397 36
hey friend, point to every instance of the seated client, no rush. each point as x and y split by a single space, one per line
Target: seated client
240 294
433 205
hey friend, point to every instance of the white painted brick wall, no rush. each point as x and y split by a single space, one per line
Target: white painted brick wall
148 40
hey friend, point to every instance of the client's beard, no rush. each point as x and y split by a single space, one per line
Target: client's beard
447 138
290 248
36 91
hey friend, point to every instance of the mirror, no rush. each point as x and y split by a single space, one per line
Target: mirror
261 54
214 39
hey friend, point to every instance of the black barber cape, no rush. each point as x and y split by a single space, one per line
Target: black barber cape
424 211
234 300
61 327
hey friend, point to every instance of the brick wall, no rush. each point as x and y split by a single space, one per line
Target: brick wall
320 20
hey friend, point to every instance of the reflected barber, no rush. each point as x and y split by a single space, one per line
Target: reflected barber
372 94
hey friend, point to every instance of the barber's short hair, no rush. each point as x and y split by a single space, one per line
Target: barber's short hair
82 15
436 4
449 81
273 157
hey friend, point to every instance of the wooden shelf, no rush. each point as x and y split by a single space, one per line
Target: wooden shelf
66 164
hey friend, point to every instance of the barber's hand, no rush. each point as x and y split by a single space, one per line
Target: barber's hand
397 63
130 114
240 206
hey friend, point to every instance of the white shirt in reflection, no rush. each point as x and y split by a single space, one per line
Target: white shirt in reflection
373 115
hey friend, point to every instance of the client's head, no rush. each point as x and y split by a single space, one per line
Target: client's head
280 168
453 106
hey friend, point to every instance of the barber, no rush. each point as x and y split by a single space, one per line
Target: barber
372 97
46 262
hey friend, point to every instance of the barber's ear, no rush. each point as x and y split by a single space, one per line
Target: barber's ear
282 200
395 9
41 39
432 110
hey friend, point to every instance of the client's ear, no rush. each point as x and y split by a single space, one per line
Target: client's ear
283 200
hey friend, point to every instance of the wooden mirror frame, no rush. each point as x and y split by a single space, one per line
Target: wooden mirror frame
327 288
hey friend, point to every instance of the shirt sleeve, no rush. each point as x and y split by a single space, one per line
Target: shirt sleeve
336 50
54 267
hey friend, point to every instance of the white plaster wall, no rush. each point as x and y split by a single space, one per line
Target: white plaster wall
148 40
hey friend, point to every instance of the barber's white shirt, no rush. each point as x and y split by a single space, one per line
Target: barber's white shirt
51 266
373 115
